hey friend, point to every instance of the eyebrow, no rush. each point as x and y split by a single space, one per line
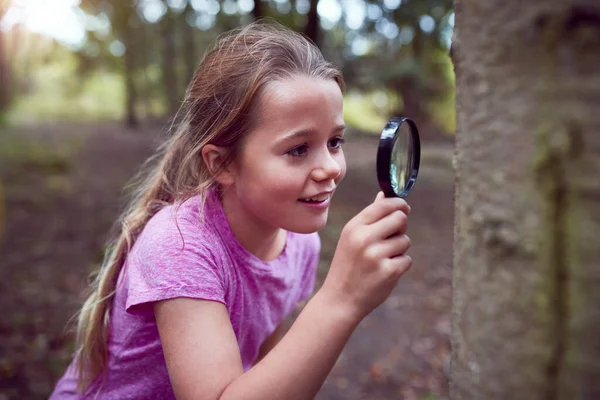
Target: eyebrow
306 132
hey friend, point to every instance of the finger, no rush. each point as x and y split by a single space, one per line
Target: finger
392 224
394 247
380 196
379 209
398 266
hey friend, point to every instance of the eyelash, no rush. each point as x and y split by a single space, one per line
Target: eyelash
304 148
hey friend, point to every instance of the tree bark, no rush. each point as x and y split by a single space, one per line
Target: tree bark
526 307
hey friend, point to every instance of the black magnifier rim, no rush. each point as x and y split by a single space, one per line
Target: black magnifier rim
384 156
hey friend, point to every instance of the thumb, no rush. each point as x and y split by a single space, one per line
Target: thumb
380 196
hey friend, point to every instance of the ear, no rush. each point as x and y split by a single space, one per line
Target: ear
213 157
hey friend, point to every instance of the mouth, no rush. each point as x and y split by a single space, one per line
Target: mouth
318 198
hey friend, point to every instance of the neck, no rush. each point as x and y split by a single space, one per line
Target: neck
261 239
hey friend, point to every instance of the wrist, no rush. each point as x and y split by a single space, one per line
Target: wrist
336 309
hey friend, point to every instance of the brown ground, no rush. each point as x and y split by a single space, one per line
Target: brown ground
63 194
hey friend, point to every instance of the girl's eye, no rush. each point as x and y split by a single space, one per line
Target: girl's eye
336 143
298 151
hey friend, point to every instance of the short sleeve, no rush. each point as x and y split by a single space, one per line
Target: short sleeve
312 256
171 260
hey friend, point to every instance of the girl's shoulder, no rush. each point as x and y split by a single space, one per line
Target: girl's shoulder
176 255
178 226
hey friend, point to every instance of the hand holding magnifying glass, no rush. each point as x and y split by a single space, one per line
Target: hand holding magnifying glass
398 157
364 272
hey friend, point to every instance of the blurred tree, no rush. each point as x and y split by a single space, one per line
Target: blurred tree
417 77
101 49
312 27
169 60
5 69
124 21
2 212
189 45
257 11
526 303
406 45
406 49
4 100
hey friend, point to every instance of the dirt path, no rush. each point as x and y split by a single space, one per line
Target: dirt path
60 209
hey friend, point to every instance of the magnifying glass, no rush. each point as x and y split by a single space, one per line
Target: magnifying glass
398 157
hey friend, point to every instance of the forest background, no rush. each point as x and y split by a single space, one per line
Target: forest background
87 91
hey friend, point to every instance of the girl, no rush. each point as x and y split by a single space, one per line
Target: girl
221 242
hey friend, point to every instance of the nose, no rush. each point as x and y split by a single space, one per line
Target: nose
327 168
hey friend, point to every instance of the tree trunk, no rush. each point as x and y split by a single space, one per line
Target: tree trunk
5 83
311 30
189 46
5 66
130 89
408 87
169 73
257 11
526 308
124 30
146 36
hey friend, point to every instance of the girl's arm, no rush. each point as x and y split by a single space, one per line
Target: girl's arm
200 346
204 361
270 342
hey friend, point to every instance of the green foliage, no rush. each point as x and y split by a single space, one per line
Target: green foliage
89 83
443 113
369 112
442 106
60 95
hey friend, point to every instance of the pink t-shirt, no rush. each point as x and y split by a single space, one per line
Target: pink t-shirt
180 254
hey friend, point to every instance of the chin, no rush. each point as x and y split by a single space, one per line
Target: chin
306 227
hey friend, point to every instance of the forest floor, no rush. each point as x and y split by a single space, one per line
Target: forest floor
63 189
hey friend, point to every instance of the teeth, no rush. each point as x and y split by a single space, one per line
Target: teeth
318 198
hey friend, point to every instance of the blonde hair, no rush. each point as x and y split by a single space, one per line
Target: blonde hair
219 106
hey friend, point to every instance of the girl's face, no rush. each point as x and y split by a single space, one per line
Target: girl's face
292 160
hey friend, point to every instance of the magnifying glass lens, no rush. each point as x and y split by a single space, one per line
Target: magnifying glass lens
401 162
398 157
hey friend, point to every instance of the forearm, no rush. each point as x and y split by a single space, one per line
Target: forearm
299 364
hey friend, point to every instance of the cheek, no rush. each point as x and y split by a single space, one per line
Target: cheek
280 186
342 163
274 180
